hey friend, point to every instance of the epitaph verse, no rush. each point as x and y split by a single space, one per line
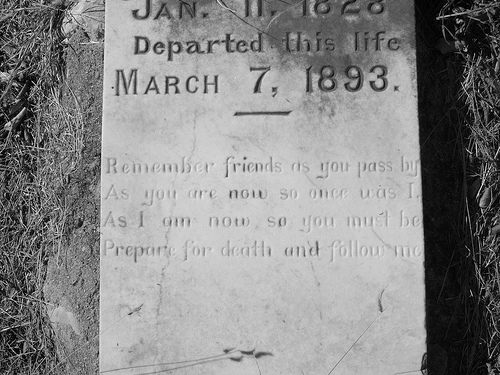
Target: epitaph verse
261 188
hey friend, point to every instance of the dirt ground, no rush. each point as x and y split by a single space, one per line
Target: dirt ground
73 275
72 281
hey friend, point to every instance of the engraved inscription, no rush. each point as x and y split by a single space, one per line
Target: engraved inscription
132 84
162 9
326 79
113 165
235 169
228 222
173 48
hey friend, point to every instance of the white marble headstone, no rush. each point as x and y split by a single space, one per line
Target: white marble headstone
261 189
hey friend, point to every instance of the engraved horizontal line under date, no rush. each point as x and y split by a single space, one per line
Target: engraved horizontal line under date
262 113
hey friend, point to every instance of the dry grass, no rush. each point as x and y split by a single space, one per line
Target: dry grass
40 143
475 26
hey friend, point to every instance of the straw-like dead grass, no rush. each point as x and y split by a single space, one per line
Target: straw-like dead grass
40 142
473 27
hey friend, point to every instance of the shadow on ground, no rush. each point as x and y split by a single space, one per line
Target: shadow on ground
442 156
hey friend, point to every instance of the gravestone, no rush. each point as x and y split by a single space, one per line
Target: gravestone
261 208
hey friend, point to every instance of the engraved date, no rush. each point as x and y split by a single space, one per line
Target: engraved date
326 78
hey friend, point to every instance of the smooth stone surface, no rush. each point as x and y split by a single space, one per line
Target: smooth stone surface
261 209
